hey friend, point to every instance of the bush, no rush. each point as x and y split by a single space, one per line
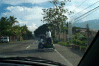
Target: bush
84 43
55 40
63 43
79 42
83 38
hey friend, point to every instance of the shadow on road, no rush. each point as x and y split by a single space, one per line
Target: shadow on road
23 52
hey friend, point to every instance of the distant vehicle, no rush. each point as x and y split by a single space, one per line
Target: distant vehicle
47 45
4 39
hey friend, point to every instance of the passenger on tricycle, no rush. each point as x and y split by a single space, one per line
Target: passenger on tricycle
41 43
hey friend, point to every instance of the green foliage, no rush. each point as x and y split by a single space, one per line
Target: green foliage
5 26
76 42
63 43
26 34
41 30
55 16
83 38
79 39
8 28
55 40
12 20
63 29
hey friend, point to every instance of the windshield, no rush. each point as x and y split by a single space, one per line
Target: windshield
57 30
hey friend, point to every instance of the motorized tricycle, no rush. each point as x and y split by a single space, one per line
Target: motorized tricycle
47 44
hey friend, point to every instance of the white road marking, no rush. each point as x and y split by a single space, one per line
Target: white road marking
64 58
28 47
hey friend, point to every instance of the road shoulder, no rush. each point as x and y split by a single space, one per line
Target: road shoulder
73 56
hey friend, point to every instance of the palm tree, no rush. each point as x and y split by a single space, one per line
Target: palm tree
3 19
13 20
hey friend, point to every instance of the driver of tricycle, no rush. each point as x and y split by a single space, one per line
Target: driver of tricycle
48 36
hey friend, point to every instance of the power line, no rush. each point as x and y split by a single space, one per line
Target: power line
85 8
85 13
80 4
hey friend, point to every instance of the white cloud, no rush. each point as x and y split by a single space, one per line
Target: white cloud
32 27
16 2
26 15
22 21
25 12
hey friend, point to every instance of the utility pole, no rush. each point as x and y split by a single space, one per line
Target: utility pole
70 30
59 31
65 33
87 29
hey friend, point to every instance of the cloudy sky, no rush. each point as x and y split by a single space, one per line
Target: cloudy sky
29 11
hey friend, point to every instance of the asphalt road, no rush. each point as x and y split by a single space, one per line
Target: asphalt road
28 48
